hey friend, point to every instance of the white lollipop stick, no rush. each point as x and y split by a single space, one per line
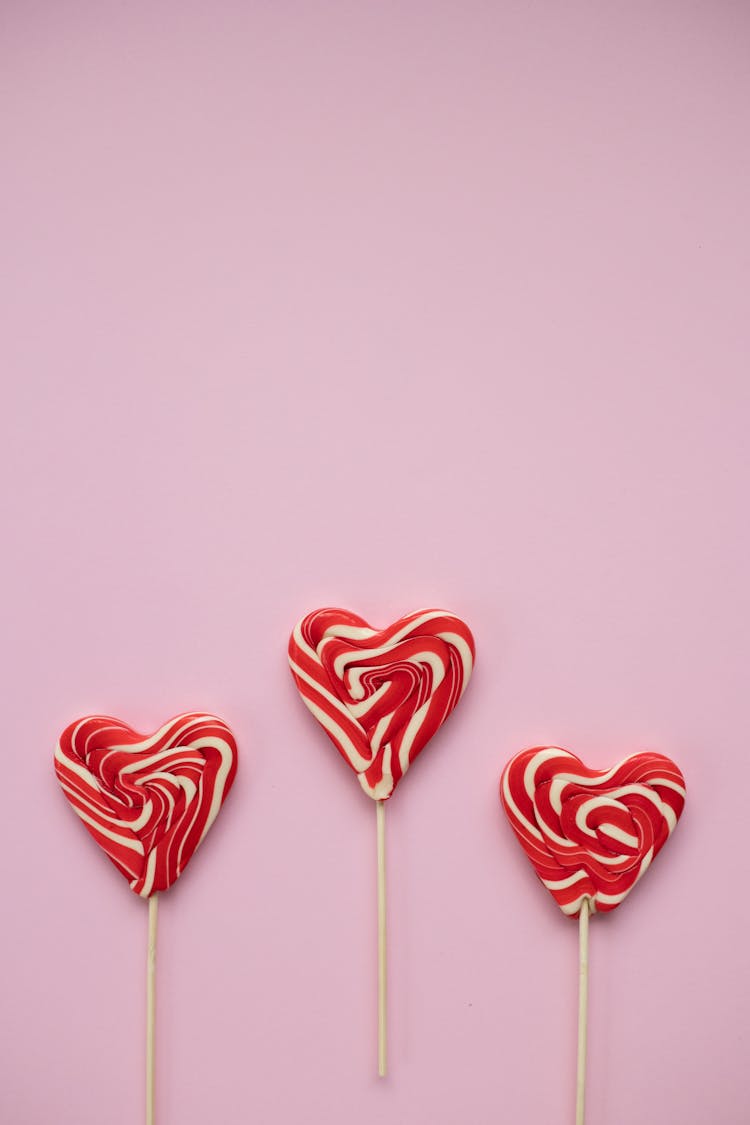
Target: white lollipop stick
153 903
583 996
380 810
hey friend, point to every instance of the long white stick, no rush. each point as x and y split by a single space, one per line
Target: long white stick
380 807
583 999
153 903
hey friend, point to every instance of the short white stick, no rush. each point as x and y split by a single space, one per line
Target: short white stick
153 903
380 807
583 997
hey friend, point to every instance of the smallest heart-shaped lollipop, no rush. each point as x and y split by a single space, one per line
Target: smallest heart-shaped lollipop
591 834
381 694
147 800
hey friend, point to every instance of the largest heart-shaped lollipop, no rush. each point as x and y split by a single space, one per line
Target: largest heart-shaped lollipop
381 694
591 833
148 800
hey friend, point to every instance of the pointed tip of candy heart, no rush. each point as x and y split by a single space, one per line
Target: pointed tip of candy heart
147 800
591 834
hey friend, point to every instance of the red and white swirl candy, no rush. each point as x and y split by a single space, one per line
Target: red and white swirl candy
381 694
591 833
148 800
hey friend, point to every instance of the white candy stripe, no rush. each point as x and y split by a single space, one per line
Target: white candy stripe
384 787
302 644
342 738
323 692
76 767
514 809
175 736
378 733
650 795
412 729
542 756
667 783
134 825
148 881
360 709
187 785
563 884
463 650
227 758
134 844
572 908
348 633
619 835
341 663
644 866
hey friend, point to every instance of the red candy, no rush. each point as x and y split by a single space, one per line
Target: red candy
380 695
591 833
148 800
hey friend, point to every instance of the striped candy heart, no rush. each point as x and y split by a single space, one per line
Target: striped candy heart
380 695
148 801
591 833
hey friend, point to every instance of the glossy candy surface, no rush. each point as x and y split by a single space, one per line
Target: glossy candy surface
591 833
148 800
381 694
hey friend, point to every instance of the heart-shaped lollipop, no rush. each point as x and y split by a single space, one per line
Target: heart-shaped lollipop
381 694
591 834
147 800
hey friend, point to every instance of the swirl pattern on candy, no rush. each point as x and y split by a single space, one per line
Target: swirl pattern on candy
380 695
591 833
147 800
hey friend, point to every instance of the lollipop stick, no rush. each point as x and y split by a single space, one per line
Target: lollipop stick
380 809
153 903
583 996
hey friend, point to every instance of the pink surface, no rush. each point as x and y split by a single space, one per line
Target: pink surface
380 305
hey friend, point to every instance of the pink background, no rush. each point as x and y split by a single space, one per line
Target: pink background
384 305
